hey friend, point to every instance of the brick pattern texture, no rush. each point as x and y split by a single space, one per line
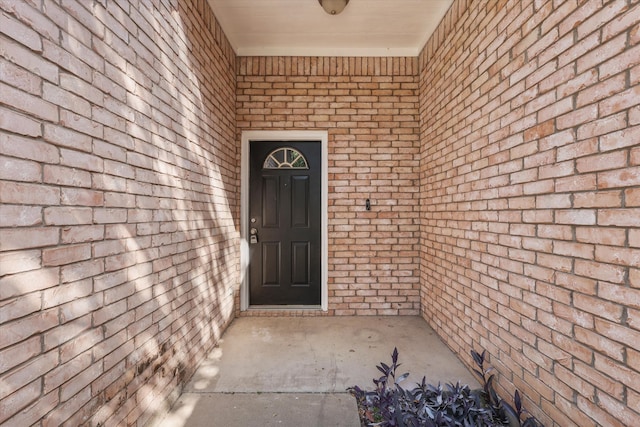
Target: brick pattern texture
119 203
530 184
369 106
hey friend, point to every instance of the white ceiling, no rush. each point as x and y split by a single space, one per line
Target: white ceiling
303 28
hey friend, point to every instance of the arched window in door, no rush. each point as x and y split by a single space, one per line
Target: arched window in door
285 158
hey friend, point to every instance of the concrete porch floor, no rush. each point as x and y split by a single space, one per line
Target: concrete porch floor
279 371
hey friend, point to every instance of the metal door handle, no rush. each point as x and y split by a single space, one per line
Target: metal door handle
253 238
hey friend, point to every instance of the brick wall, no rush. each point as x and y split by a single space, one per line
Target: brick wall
369 106
530 182
119 205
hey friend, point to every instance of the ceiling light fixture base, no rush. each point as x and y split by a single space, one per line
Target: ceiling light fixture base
333 7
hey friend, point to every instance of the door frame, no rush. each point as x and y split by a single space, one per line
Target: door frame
273 136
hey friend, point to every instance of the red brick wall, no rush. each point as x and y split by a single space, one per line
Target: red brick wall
530 184
369 106
119 205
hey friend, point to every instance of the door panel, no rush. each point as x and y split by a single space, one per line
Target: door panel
271 264
284 212
300 264
270 201
299 201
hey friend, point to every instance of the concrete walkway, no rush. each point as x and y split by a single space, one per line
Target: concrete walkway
295 371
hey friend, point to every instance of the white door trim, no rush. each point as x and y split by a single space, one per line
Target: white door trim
281 135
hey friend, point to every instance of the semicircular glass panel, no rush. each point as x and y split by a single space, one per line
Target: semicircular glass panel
285 158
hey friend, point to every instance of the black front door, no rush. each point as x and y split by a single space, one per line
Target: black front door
284 223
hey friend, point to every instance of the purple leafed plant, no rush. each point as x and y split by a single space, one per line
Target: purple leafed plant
426 405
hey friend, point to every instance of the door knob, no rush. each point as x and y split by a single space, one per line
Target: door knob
253 238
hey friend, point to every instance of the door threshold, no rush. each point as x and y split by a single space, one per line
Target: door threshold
284 311
284 307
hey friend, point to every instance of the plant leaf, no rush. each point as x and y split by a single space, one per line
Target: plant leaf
518 402
493 396
402 377
477 358
510 414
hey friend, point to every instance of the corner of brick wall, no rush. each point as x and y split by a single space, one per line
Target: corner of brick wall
369 106
119 206
530 183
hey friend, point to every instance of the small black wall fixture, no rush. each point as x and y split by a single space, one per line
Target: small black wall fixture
367 204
